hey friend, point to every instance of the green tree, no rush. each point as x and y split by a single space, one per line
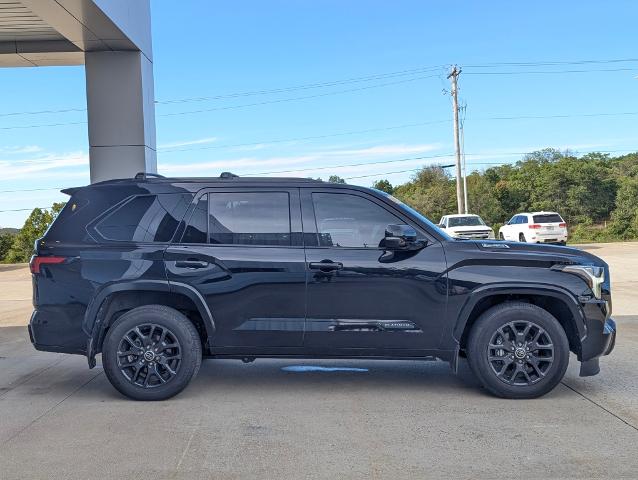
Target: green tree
33 228
383 185
624 219
336 179
6 241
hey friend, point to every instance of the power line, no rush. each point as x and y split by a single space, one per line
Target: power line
547 63
334 167
381 76
292 99
552 72
25 209
518 117
372 77
313 137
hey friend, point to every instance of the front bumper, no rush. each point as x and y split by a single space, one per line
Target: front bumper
603 343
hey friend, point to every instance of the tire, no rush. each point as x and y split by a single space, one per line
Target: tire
495 367
521 238
149 373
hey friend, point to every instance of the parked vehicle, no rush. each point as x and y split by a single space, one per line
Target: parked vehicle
466 226
536 227
157 273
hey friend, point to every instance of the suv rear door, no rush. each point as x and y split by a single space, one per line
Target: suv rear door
242 250
359 297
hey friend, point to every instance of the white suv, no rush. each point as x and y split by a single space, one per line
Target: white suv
536 227
466 227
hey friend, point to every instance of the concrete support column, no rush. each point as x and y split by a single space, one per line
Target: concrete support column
121 114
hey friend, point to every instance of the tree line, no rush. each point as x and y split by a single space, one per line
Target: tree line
596 194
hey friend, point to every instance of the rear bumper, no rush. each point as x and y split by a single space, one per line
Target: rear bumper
49 333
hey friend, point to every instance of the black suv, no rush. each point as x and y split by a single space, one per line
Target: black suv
157 273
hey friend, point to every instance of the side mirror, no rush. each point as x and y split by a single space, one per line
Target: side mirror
441 225
401 237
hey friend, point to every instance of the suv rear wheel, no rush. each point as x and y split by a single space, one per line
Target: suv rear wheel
151 353
518 350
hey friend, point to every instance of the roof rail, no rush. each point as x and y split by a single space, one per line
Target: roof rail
145 175
228 175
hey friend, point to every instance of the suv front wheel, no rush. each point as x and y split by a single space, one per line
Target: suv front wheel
518 350
151 353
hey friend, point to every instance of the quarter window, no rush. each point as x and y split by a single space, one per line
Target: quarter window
145 218
197 228
345 220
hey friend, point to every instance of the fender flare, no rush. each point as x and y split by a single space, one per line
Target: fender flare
527 289
93 324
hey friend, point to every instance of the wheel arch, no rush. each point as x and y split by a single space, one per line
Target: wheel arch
115 299
557 301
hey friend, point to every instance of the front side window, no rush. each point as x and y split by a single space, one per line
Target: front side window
145 218
249 218
345 220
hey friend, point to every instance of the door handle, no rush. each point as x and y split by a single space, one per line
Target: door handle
191 264
326 266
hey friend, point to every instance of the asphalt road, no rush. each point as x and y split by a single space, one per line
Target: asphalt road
59 420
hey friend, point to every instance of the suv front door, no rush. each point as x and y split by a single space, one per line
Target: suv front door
241 249
360 296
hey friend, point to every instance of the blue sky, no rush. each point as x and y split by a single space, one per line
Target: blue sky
207 49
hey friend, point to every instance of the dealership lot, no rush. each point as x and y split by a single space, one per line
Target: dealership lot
371 420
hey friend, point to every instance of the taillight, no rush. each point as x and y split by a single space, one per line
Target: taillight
562 225
37 261
534 225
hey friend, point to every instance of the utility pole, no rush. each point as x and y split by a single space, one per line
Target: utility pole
453 76
465 202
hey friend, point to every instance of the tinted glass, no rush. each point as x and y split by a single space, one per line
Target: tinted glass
350 221
522 219
145 218
465 221
197 228
548 218
255 218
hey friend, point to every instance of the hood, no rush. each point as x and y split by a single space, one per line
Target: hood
477 228
516 253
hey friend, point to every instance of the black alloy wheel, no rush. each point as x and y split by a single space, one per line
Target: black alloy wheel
518 350
520 353
151 352
149 355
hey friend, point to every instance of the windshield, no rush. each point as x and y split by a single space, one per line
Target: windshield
548 218
470 221
411 211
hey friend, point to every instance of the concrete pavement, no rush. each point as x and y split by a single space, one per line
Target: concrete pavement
59 420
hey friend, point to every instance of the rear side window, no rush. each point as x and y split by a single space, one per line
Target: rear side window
548 218
249 218
145 218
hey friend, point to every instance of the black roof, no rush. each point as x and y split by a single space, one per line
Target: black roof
158 181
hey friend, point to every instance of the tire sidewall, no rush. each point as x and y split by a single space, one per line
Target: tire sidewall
169 318
496 317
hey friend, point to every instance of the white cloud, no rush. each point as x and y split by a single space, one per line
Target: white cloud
386 150
20 150
185 143
24 169
213 168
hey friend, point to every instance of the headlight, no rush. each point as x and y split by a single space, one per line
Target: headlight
491 234
594 276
